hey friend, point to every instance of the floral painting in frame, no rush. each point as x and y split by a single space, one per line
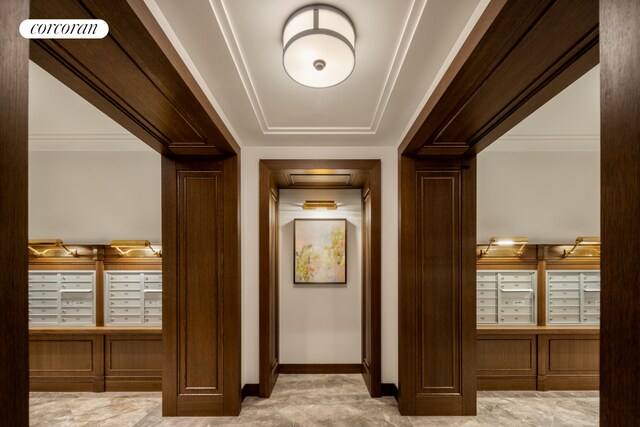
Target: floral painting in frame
320 251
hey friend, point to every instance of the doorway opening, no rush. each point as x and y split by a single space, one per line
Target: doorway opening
319 175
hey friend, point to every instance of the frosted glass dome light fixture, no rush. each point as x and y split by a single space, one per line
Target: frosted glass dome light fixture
319 46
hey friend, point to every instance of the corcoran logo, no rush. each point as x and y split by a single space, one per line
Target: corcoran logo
64 29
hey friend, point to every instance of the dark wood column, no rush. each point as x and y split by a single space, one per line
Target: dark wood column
14 86
269 278
201 295
371 292
620 204
437 286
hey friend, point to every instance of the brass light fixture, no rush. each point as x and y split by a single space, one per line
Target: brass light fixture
585 246
320 205
505 246
126 247
53 245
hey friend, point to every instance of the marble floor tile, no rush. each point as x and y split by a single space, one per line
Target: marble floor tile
314 400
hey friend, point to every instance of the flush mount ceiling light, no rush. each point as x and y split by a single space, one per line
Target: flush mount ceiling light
319 46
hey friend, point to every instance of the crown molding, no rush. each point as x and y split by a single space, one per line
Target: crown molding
411 24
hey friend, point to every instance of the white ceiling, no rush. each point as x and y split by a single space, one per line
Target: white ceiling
233 47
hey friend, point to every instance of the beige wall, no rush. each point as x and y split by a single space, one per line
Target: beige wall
550 197
94 196
321 323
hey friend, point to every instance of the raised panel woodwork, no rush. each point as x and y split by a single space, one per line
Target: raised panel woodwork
269 277
371 301
199 296
51 355
133 363
95 359
437 287
568 362
14 116
538 357
66 362
507 362
516 354
269 295
201 362
438 291
573 355
133 354
134 75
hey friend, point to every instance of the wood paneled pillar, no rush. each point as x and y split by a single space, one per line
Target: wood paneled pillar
14 86
620 204
371 282
201 295
437 286
269 277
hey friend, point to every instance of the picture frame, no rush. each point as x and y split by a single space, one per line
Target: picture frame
320 251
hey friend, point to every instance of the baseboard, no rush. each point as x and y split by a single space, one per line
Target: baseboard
320 368
252 390
389 389
66 384
568 382
133 384
506 382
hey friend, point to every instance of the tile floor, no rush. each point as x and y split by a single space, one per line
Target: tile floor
315 400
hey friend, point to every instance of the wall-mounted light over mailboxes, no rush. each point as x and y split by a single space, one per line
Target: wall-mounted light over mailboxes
51 248
320 205
505 246
585 246
129 247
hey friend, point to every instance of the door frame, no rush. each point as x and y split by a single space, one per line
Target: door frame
156 98
271 172
491 85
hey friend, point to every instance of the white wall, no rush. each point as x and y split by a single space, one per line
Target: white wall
321 323
94 196
550 197
250 179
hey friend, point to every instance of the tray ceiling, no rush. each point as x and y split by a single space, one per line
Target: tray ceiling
235 50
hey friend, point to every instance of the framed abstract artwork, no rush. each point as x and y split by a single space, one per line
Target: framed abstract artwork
320 251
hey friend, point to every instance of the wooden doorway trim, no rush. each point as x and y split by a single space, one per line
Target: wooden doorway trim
519 56
619 204
14 262
136 77
364 174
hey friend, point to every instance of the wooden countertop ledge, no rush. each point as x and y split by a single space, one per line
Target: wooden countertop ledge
95 330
